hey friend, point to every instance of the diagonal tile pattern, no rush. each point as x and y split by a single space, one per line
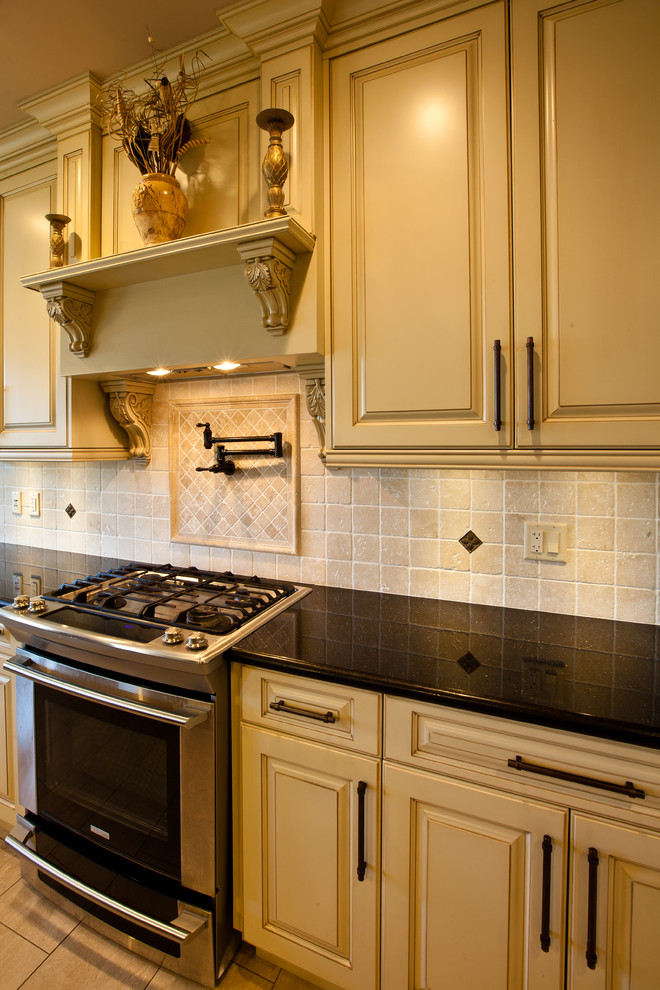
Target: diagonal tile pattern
253 509
43 948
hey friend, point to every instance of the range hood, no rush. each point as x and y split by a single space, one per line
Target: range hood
245 294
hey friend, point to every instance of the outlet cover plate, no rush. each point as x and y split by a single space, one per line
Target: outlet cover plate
545 541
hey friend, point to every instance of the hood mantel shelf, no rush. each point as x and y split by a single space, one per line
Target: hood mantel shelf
268 249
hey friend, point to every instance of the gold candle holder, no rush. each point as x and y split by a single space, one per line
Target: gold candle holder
275 167
58 222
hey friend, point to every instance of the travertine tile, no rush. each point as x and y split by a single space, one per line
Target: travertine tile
34 917
237 978
10 868
287 981
87 960
247 958
18 959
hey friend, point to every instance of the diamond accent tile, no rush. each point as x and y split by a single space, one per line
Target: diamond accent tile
468 662
257 507
470 541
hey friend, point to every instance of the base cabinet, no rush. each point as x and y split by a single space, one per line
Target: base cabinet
463 886
482 871
8 768
615 906
310 815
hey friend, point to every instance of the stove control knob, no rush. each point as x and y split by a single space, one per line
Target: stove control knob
37 604
21 602
172 636
197 641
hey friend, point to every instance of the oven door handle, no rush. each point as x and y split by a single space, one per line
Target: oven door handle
186 925
184 718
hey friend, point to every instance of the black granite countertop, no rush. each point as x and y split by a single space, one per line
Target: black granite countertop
587 675
51 567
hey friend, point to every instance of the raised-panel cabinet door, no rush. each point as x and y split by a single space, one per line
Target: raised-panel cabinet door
586 198
303 900
34 396
464 900
614 928
420 239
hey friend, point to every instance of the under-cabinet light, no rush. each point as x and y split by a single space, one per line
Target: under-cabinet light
159 372
227 366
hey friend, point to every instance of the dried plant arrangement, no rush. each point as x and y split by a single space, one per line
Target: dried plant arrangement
153 126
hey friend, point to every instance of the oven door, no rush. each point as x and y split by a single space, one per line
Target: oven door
129 767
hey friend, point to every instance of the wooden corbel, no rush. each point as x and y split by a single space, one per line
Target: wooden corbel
71 307
268 267
130 404
313 376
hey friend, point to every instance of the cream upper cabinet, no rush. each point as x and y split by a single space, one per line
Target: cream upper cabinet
586 145
420 238
434 186
42 413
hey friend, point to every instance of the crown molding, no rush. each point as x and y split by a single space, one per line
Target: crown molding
270 27
24 146
68 108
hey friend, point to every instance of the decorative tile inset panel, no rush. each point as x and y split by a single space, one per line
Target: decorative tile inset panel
256 508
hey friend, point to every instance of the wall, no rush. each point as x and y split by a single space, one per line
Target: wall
390 529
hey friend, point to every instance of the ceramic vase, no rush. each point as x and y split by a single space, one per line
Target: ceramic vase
160 209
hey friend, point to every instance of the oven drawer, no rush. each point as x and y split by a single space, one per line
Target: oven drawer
342 716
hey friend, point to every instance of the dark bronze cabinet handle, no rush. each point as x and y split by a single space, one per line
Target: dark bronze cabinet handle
628 788
545 894
530 383
282 706
497 349
362 866
592 957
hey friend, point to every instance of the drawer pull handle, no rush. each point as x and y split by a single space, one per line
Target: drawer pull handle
545 895
497 350
628 788
362 865
282 706
592 957
530 383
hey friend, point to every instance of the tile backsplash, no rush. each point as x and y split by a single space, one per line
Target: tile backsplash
391 529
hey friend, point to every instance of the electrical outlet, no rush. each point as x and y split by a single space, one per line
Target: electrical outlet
17 584
545 541
35 504
16 503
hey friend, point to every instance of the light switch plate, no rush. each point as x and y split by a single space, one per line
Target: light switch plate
35 504
545 541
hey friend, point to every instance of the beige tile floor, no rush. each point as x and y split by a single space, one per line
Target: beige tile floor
42 948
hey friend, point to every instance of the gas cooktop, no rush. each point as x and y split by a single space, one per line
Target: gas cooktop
167 614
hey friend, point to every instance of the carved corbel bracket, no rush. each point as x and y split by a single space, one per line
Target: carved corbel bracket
313 376
268 268
130 404
71 307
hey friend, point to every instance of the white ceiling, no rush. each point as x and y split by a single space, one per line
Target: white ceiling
43 42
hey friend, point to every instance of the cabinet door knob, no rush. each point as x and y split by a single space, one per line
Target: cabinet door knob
530 383
362 865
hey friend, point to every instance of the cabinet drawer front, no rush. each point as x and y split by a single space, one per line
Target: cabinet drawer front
343 716
437 737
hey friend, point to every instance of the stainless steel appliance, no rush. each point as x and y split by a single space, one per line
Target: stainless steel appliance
123 716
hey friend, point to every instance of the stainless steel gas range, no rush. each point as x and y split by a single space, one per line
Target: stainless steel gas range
122 692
